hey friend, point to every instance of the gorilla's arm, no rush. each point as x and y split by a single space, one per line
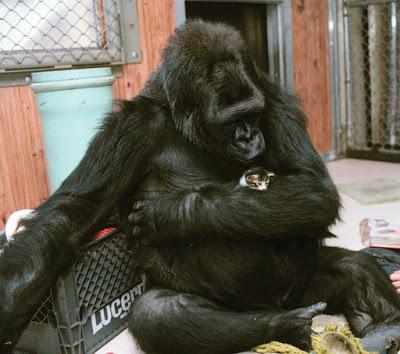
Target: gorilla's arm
295 205
52 238
301 200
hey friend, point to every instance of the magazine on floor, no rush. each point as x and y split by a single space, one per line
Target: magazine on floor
380 233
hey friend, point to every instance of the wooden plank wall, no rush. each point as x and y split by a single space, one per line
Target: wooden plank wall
311 67
23 174
157 22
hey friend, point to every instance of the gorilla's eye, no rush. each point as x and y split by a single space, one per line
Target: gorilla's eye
252 120
233 95
230 84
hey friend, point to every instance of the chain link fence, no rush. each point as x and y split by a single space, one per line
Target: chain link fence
372 31
47 33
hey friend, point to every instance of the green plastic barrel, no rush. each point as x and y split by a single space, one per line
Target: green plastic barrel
72 105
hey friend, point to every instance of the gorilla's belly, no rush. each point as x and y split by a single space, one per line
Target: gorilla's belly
246 275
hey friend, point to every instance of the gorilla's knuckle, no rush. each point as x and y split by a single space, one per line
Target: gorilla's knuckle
136 231
138 205
138 217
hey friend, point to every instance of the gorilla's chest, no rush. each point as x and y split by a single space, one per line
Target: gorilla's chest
177 168
182 168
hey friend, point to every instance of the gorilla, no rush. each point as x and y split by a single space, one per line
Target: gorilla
227 268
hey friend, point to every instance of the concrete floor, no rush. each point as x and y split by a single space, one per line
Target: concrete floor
351 170
342 171
352 212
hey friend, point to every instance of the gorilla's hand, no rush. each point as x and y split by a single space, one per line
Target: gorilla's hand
169 218
141 223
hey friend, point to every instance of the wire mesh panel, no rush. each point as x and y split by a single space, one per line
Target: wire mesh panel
45 33
373 71
104 273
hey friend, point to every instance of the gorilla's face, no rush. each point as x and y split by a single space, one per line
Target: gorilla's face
219 108
236 107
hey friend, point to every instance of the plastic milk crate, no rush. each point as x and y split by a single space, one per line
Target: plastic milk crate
89 304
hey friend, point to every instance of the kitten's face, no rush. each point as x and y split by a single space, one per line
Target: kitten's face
256 178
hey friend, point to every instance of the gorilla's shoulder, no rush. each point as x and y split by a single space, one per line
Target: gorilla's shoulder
141 113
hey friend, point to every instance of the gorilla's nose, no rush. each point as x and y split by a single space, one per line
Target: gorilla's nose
243 132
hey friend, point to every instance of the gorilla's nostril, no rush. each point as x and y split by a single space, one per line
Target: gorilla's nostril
238 133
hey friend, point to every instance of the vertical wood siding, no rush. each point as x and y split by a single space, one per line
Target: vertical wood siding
23 174
311 67
157 22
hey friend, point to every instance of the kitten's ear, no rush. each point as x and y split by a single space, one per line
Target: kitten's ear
243 182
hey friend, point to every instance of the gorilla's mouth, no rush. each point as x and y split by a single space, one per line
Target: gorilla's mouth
246 145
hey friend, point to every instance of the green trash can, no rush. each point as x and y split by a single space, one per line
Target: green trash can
72 104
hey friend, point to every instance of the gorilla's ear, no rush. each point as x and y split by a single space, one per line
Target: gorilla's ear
168 85
285 130
280 102
185 123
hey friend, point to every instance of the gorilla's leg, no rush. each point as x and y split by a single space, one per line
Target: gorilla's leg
352 283
165 321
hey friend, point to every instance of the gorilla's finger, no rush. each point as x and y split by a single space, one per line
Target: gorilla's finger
315 309
136 217
136 231
139 205
139 216
131 217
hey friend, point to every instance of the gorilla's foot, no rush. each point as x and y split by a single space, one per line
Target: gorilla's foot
297 325
383 338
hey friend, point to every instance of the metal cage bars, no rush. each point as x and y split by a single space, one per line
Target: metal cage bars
372 48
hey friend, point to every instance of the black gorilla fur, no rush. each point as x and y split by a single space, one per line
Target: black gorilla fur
228 268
